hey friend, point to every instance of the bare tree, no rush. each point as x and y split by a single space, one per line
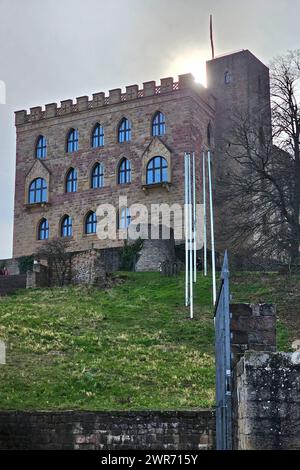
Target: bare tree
55 252
262 188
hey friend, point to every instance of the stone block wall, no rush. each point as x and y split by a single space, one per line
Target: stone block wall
38 277
268 401
170 430
87 267
253 327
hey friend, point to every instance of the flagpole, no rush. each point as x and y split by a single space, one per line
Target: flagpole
204 217
212 231
194 220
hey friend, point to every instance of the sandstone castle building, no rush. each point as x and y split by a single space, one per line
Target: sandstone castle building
72 157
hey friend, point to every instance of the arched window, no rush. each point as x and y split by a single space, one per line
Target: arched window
124 172
124 218
37 191
157 170
71 181
97 177
98 136
124 134
41 148
158 124
91 222
66 226
43 230
72 141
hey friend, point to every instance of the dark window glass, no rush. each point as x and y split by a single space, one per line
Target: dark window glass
124 218
91 223
41 148
97 179
72 141
37 191
124 173
43 230
157 170
158 124
66 226
124 131
98 136
71 181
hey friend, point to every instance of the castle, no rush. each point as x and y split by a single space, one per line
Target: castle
73 157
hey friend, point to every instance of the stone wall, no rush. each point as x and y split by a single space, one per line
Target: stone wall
172 430
9 284
253 328
87 267
38 277
268 401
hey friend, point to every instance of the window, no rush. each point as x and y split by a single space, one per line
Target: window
66 226
41 148
91 223
98 136
158 124
43 230
71 181
157 170
124 218
227 77
37 191
97 178
72 141
124 131
124 173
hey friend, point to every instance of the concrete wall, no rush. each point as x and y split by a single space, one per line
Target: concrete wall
268 401
172 430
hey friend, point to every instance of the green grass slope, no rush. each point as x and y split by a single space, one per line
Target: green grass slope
129 347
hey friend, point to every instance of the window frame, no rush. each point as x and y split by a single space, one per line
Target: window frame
72 141
43 229
99 176
124 131
90 223
40 192
41 148
163 165
98 136
158 126
124 171
66 227
72 182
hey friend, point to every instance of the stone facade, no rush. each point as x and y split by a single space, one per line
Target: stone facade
67 430
268 402
189 110
253 328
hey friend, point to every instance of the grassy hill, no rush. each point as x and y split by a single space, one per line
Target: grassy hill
129 347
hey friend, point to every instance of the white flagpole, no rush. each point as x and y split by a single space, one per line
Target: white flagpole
186 228
194 220
212 231
204 217
190 235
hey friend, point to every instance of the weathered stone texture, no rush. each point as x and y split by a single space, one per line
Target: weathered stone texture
253 327
268 401
170 430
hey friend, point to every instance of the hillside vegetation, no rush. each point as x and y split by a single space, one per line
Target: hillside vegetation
128 347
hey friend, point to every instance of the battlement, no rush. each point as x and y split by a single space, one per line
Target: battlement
167 85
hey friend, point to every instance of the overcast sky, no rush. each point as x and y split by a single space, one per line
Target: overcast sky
52 50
